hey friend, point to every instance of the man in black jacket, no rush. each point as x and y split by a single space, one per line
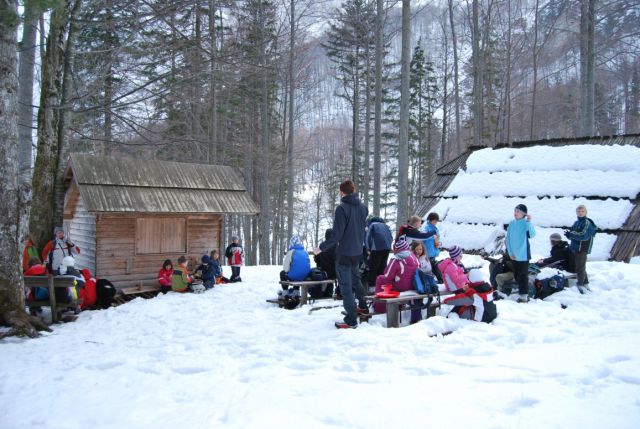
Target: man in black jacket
349 223
560 251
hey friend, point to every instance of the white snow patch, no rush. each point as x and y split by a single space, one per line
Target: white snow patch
228 359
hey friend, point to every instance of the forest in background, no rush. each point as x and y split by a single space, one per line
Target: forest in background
285 91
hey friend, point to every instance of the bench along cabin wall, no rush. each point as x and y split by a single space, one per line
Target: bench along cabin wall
132 247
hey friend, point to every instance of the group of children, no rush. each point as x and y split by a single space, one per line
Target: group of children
58 259
206 275
417 247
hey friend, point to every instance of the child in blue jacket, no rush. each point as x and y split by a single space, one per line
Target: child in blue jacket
581 235
519 231
296 265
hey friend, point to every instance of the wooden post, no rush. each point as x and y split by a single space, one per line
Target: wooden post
392 314
52 300
304 294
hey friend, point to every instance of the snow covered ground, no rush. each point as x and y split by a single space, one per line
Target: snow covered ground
228 359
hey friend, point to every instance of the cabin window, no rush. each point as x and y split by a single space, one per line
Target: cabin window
161 235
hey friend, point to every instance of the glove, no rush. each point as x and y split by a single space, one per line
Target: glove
567 234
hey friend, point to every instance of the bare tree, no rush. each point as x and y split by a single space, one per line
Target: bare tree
12 309
456 84
377 143
403 138
587 66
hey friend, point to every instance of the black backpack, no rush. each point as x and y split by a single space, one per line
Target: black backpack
105 291
549 286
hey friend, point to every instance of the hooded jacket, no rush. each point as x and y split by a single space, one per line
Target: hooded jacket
326 260
349 223
207 269
400 271
378 236
453 275
519 232
296 263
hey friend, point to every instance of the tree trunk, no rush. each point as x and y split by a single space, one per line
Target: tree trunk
291 96
403 138
63 116
12 310
535 69
356 119
25 90
478 120
587 67
456 86
367 129
445 100
213 121
44 173
377 128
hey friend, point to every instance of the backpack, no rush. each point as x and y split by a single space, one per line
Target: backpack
317 274
549 286
289 299
105 291
424 283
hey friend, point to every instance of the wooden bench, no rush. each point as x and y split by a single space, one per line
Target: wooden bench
393 306
51 283
305 285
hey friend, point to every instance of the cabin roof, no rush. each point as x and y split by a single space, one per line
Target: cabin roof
110 184
476 192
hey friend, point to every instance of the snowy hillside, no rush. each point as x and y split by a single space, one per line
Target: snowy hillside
228 359
551 181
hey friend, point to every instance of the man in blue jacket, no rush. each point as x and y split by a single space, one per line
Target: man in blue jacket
349 223
519 231
378 241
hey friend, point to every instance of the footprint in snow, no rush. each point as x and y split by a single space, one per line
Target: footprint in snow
104 365
618 358
517 404
189 370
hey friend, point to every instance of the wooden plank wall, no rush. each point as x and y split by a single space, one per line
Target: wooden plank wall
116 257
81 227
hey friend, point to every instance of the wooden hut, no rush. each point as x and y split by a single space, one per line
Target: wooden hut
129 215
471 215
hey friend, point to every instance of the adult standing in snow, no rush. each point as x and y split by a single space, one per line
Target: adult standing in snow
349 223
58 248
519 231
378 241
581 235
432 244
235 257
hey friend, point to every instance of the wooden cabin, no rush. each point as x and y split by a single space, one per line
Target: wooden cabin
129 215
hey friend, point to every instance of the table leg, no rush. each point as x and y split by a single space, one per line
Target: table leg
392 315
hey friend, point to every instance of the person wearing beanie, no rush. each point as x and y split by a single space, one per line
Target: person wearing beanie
561 255
235 258
55 250
296 265
453 275
581 235
399 272
432 244
519 231
206 272
349 222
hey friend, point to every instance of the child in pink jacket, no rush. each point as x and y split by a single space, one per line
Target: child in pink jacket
399 272
453 271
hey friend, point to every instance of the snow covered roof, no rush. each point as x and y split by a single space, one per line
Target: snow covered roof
475 193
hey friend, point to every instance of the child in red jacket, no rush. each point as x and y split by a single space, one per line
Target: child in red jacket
164 276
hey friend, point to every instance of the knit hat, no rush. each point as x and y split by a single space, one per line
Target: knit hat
58 229
295 241
234 237
401 244
555 237
455 252
522 208
206 259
